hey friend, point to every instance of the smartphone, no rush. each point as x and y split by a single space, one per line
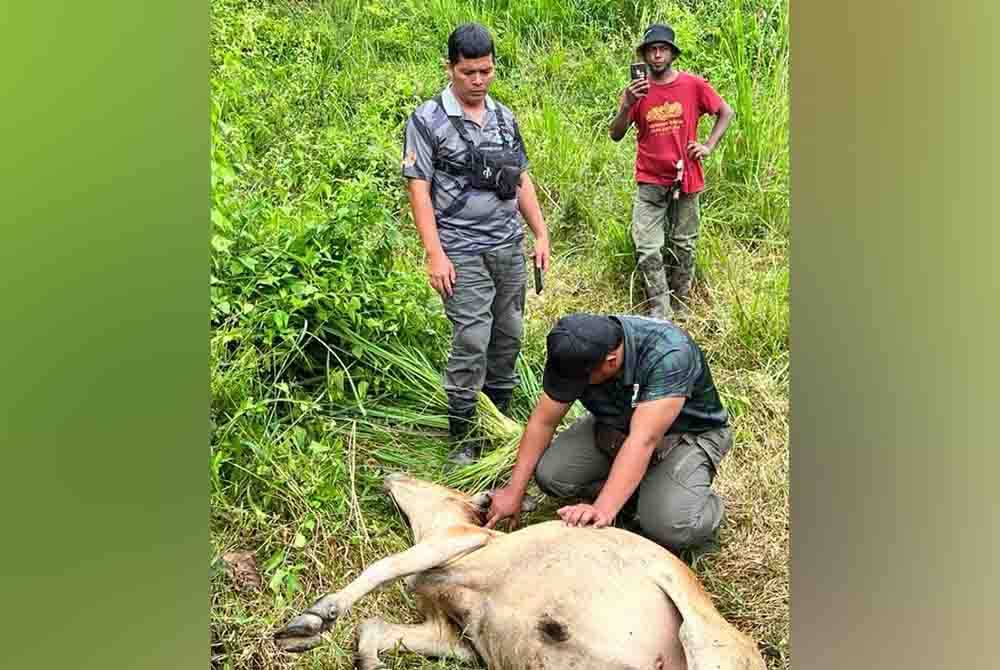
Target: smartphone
638 71
538 280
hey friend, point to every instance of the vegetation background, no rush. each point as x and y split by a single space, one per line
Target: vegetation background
326 340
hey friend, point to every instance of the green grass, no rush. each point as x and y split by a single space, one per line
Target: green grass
327 343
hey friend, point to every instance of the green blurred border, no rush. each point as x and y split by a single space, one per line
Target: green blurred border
105 202
893 321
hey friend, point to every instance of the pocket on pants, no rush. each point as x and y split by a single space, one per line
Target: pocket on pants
680 456
715 443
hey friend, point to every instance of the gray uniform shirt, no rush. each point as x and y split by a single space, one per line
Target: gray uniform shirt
469 221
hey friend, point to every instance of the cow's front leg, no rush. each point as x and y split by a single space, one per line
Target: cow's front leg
435 637
304 631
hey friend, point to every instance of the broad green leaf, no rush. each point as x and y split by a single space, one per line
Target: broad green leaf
276 558
276 579
221 244
220 221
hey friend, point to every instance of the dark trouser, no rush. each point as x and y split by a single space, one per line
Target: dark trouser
676 505
486 311
665 270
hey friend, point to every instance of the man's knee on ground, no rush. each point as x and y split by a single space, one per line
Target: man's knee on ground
547 478
682 522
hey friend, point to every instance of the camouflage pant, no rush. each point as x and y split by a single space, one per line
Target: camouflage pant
675 504
486 311
671 269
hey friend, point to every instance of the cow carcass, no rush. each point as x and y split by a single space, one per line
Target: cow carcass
546 597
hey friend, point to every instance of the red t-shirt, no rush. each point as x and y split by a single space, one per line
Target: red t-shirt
666 120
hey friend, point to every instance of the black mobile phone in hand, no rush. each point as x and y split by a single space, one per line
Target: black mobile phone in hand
538 280
638 71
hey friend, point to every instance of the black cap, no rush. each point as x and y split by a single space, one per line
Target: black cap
659 32
574 347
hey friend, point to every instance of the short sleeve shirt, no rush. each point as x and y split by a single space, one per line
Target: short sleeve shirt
666 120
469 221
660 361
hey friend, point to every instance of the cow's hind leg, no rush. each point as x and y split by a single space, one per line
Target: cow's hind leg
434 637
304 631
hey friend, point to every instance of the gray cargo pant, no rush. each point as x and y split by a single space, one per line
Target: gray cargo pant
669 269
675 504
486 310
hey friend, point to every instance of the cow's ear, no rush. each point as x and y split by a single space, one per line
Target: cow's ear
482 500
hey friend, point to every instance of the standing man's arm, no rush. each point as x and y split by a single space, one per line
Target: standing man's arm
440 271
534 441
699 151
650 422
631 95
418 169
527 203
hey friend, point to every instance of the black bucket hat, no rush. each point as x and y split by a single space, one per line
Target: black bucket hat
659 32
574 347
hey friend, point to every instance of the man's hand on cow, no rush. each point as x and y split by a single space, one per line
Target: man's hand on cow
441 274
505 503
585 515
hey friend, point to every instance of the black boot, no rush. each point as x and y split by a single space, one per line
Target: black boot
460 428
500 399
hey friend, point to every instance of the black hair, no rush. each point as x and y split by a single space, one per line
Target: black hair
619 333
469 40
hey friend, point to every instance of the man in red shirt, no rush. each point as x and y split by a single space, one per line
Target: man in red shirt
665 108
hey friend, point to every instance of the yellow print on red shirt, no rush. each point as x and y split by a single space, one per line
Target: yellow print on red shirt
665 118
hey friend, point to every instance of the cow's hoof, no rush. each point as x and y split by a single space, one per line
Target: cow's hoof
297 645
304 632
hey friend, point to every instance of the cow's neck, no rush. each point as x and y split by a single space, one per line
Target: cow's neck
435 523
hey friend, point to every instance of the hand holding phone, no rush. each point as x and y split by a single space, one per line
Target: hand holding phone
639 84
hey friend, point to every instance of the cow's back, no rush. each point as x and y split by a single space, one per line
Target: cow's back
549 597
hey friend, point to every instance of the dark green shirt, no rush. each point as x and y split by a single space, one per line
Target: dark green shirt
660 361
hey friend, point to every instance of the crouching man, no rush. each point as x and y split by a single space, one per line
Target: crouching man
649 446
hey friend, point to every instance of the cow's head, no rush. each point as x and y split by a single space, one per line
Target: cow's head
429 506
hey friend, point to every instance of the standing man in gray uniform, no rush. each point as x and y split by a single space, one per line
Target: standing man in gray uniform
650 445
466 169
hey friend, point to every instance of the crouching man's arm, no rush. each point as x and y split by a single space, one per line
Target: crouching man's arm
535 440
649 423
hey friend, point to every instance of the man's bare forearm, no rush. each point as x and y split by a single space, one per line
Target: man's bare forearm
423 215
627 471
621 122
534 441
527 203
722 122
